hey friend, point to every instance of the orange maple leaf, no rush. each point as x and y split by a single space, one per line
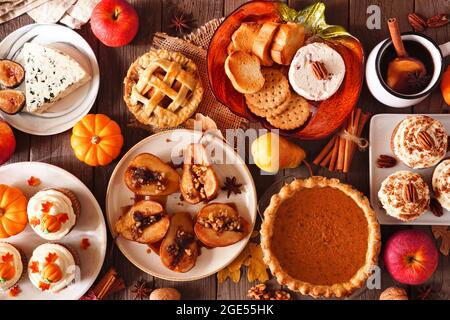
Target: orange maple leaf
34 221
44 286
33 181
62 217
46 206
14 291
85 243
7 257
51 257
34 267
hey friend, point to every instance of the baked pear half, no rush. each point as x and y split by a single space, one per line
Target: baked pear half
219 225
148 175
144 222
198 180
179 249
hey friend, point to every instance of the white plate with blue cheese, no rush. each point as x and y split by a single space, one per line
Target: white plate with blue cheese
61 77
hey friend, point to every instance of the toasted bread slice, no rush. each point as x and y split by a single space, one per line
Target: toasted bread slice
244 72
262 43
288 39
244 37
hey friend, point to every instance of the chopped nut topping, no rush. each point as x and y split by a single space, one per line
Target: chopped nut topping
198 178
260 292
142 176
179 247
221 222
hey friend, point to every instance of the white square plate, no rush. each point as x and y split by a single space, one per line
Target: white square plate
381 127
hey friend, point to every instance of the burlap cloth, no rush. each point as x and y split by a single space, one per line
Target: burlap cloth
194 46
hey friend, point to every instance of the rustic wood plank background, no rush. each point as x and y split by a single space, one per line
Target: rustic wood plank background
155 15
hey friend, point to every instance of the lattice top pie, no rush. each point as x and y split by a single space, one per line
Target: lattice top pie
162 88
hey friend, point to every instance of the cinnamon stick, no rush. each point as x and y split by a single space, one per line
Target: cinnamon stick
353 128
334 156
324 151
111 282
362 123
326 160
396 38
341 151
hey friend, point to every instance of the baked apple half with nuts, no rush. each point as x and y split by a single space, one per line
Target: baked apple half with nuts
219 225
144 222
198 181
179 249
148 175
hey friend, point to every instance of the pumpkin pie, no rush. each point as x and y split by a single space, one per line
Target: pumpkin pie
320 237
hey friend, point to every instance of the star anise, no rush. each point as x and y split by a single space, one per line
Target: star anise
181 22
231 186
417 81
141 290
424 293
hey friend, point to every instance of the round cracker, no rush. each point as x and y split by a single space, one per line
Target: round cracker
264 112
274 92
296 114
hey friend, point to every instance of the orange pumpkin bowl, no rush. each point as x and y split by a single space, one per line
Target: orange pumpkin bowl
331 113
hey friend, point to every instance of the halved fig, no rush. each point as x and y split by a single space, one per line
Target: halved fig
219 225
198 181
11 73
11 101
149 175
144 222
179 249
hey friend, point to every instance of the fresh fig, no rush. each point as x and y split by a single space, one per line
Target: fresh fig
179 249
219 225
144 222
199 181
11 73
149 175
11 101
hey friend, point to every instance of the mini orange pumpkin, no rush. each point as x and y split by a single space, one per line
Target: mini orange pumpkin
6 271
52 273
13 211
96 140
50 223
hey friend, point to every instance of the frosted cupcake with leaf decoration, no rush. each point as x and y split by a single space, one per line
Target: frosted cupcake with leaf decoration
12 262
53 213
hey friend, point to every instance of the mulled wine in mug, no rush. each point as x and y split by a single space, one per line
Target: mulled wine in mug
418 86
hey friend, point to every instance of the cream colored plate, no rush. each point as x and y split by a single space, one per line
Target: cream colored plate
91 225
164 145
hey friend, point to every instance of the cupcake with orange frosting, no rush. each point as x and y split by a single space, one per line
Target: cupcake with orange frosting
53 267
53 212
12 265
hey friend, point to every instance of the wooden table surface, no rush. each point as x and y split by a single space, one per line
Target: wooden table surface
155 15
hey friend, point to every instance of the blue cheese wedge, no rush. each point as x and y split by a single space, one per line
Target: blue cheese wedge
49 76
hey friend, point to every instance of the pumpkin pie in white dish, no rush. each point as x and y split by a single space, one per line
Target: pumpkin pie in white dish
320 237
53 213
404 195
419 141
12 265
441 183
162 88
53 267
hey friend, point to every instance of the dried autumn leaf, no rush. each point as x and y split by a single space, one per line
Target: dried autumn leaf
33 181
226 273
443 233
257 268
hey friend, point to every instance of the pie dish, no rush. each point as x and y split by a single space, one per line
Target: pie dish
320 237
162 88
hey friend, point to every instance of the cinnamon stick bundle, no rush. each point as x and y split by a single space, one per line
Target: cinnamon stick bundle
337 155
109 284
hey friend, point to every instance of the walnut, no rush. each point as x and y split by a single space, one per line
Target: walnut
260 292
394 293
221 222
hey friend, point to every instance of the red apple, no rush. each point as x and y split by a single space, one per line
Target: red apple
114 22
411 256
7 142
